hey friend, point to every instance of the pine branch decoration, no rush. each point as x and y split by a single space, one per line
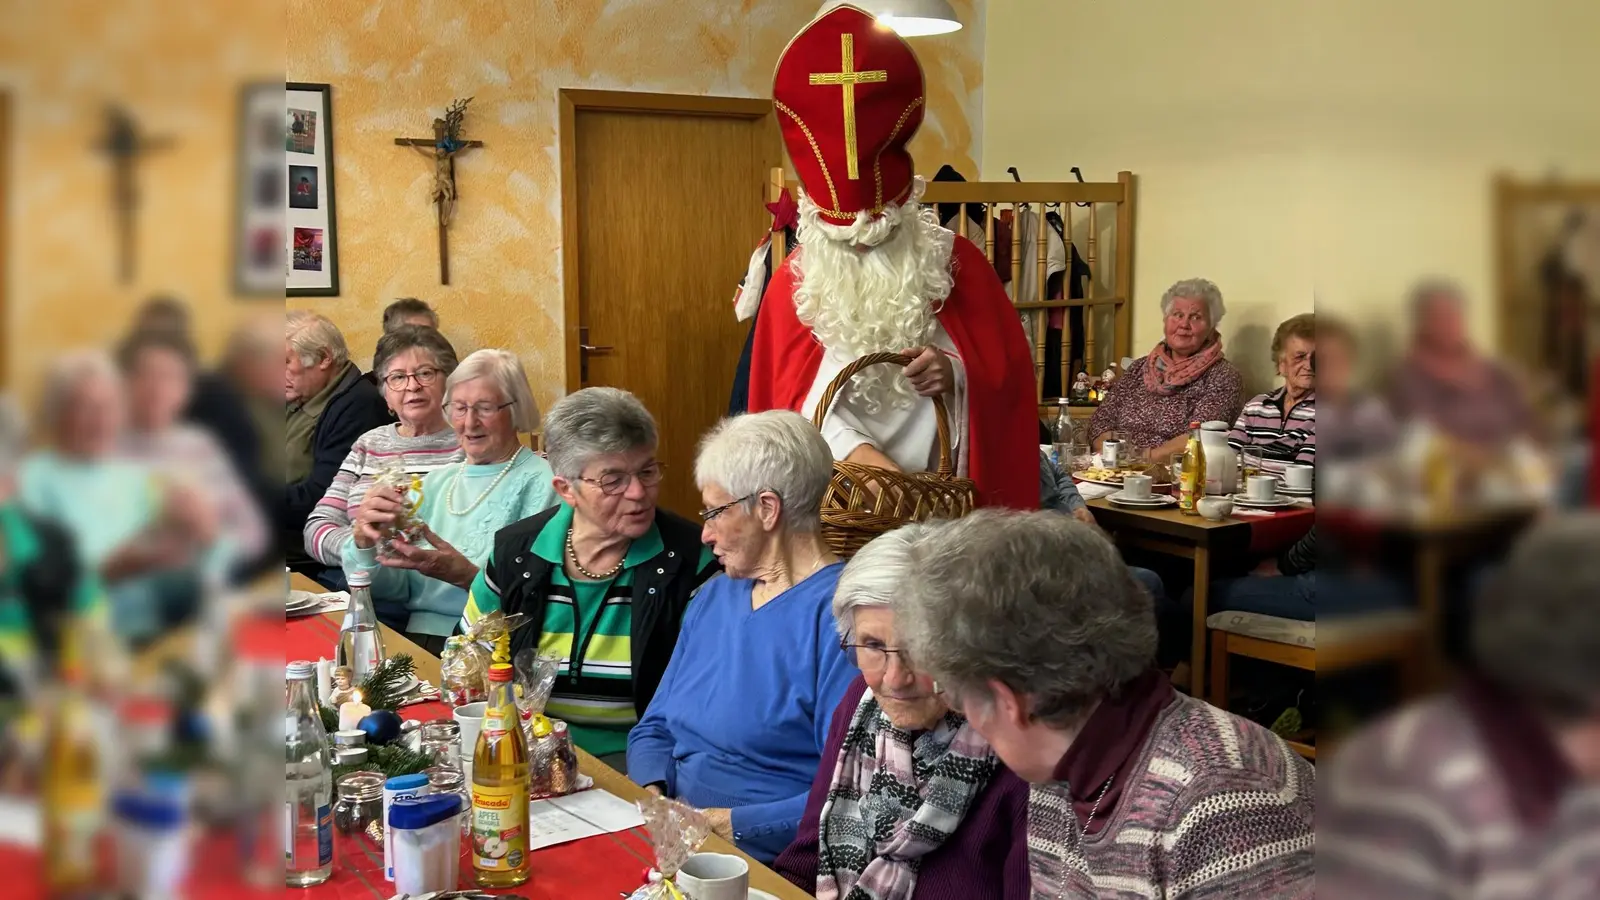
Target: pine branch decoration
381 689
389 759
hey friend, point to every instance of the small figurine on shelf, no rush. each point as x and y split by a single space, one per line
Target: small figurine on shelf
1106 378
1080 389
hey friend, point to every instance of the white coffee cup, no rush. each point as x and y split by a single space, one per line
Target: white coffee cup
714 876
1136 487
1262 488
1297 476
470 717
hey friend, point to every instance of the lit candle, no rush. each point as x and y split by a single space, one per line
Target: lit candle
352 712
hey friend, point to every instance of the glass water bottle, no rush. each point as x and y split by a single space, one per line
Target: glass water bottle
308 783
360 645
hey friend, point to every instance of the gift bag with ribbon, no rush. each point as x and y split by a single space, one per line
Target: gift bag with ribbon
676 833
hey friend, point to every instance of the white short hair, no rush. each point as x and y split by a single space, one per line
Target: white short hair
504 370
1196 289
877 572
314 336
777 450
64 376
595 421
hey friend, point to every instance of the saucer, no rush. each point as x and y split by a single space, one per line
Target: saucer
1276 502
1154 501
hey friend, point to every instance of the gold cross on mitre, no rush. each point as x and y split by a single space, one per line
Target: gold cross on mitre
848 78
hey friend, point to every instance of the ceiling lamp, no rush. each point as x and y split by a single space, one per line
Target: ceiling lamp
909 18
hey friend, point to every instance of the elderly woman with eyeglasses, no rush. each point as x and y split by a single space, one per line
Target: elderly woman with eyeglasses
606 575
910 802
411 364
740 722
463 504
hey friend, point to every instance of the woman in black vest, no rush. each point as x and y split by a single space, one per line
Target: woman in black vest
605 576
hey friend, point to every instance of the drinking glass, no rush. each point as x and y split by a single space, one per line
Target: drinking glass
441 742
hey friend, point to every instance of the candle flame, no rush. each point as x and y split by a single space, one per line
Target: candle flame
356 698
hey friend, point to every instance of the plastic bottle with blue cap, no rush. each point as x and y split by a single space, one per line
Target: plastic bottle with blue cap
426 843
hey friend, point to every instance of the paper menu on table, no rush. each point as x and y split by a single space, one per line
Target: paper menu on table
19 822
584 814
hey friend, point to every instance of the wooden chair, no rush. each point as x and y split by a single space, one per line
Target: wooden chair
1346 642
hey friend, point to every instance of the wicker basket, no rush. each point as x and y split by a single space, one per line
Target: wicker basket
863 502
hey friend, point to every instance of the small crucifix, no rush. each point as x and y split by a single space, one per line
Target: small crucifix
125 145
848 78
445 145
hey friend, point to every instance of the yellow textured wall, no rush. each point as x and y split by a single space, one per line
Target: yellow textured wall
1287 150
177 65
395 64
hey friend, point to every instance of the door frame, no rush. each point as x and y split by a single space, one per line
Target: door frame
571 100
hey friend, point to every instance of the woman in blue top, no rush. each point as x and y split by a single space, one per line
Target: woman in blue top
487 402
739 723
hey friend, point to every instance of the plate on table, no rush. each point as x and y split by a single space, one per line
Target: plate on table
1113 477
1276 502
1154 501
759 894
1295 492
302 603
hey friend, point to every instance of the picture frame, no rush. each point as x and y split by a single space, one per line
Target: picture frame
311 242
1547 242
258 242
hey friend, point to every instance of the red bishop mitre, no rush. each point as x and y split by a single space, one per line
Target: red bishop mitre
849 96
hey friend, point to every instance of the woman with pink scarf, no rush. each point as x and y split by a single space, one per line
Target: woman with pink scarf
1184 379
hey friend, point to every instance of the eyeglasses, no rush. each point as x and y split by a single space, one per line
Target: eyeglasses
875 657
707 515
425 376
614 483
484 410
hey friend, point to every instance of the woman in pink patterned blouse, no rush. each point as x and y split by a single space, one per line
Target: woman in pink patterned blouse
1183 379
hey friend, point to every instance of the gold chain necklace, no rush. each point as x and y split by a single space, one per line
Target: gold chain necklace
572 554
450 493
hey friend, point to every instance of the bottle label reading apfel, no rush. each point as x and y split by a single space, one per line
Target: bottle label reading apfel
499 827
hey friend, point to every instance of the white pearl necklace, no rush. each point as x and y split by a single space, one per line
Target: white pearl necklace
450 493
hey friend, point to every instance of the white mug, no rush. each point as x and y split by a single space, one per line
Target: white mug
1297 476
714 876
470 717
1136 487
1262 488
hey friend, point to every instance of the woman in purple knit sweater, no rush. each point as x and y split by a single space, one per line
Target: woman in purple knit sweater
1040 637
909 803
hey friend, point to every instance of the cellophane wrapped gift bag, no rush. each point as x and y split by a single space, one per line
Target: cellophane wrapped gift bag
676 833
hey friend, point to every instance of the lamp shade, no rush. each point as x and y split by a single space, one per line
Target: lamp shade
908 18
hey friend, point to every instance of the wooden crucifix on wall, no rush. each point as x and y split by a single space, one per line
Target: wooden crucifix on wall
124 145
445 145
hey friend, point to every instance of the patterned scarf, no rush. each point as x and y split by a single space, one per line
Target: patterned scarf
1165 373
893 801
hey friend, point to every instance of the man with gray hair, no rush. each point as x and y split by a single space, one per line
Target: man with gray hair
409 311
328 405
1494 788
1036 631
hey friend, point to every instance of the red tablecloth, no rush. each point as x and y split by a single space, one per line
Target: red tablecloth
1277 532
599 867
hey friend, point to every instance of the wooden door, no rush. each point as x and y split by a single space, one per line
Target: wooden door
662 206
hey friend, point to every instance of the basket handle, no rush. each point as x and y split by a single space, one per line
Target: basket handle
946 467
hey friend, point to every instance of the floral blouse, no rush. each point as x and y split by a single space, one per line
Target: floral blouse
1147 419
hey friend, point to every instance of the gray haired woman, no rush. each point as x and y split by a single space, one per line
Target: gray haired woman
910 802
463 504
740 722
1039 635
606 574
411 366
1183 379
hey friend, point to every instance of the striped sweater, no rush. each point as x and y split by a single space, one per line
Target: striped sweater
1416 807
1281 439
1221 808
328 528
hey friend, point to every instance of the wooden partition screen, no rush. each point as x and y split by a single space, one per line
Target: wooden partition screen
1097 221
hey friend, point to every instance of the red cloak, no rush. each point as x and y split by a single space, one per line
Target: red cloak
1002 409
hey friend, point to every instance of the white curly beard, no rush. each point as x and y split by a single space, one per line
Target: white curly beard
882 298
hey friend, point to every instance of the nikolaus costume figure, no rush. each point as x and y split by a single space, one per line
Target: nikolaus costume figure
875 272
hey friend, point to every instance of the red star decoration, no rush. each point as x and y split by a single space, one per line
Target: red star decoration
785 212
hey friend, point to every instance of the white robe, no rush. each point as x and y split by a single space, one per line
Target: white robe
908 436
